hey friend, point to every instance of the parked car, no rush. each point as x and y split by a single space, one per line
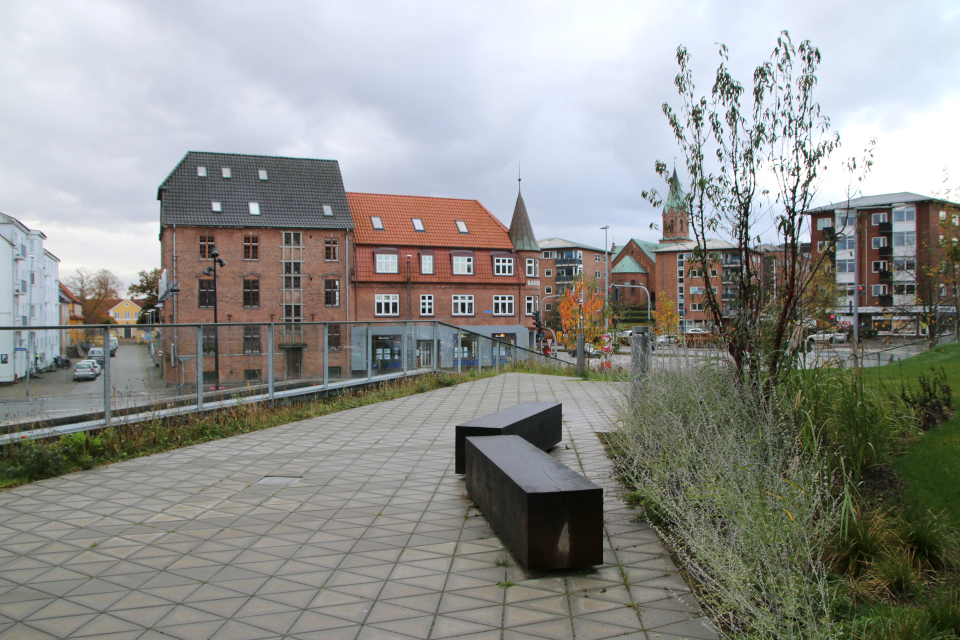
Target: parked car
86 370
114 345
697 337
828 336
668 339
96 354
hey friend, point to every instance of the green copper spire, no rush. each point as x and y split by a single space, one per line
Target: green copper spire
676 195
521 231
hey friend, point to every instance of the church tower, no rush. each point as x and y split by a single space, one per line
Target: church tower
528 265
676 219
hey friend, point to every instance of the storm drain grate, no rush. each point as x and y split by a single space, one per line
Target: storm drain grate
280 481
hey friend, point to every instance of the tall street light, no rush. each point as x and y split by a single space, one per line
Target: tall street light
606 273
212 271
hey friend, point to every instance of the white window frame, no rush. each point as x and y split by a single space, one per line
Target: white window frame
547 290
386 304
909 238
547 307
426 264
503 305
878 265
463 266
713 273
696 306
905 291
823 223
529 305
907 214
879 289
462 305
426 304
879 241
548 255
548 273
597 258
878 218
531 268
503 266
388 263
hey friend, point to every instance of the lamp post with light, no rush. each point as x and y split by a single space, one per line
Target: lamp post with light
212 271
606 272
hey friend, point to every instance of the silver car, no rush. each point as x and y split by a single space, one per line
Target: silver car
86 370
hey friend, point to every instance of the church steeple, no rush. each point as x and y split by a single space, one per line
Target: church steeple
521 231
676 220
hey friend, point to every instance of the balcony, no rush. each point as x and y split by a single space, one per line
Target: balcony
886 276
560 262
731 260
885 228
564 279
886 252
20 253
885 300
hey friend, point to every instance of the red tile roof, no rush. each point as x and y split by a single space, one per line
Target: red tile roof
69 293
439 216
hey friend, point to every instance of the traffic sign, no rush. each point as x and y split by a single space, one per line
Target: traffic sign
159 353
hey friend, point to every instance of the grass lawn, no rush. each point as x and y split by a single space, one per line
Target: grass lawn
931 466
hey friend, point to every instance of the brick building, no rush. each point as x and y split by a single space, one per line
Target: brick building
634 263
420 258
888 244
282 227
562 262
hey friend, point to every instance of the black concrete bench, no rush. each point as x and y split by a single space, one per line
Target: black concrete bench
539 423
549 515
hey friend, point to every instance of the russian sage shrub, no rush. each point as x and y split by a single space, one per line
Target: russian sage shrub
736 492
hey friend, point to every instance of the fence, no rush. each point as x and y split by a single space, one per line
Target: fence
184 368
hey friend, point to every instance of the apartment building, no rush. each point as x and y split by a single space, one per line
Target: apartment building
446 259
281 227
562 262
29 296
883 249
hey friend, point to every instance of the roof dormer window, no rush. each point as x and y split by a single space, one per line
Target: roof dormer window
215 206
225 172
327 210
462 226
417 224
254 208
262 173
201 172
376 222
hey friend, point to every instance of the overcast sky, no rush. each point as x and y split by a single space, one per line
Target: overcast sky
99 100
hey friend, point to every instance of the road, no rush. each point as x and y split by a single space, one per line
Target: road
133 380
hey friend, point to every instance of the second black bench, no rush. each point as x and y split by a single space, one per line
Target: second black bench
549 515
539 423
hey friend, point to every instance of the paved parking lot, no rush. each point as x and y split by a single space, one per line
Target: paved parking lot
348 526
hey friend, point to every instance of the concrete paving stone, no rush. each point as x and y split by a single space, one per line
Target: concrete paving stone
104 624
515 616
192 631
21 631
693 629
448 627
557 629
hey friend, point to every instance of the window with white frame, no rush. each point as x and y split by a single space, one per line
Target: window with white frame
387 304
904 214
548 273
846 266
695 291
846 220
879 242
463 305
426 305
462 265
713 273
597 258
823 223
877 218
904 264
548 290
548 307
846 243
694 273
879 289
905 289
879 265
531 268
503 305
387 263
696 306
426 264
503 266
548 255
596 274
529 305
904 238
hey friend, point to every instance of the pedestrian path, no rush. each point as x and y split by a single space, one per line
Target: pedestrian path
351 526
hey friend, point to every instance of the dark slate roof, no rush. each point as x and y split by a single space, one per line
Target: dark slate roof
521 231
883 200
292 196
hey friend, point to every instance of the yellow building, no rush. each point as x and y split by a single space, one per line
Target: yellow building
125 313
71 312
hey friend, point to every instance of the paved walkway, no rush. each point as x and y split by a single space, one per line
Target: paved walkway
374 538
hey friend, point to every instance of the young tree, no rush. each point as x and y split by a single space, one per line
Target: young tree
146 288
582 311
729 147
666 318
95 290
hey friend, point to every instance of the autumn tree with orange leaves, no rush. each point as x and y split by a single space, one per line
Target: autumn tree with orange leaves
666 318
587 318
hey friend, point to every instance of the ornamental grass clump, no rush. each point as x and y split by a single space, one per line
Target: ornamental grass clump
738 492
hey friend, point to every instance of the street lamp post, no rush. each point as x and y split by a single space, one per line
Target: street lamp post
606 274
212 271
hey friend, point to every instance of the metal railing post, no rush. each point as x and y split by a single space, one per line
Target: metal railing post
326 356
106 376
270 358
580 354
404 343
436 346
369 352
456 349
199 366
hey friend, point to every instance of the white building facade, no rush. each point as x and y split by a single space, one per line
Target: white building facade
29 297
